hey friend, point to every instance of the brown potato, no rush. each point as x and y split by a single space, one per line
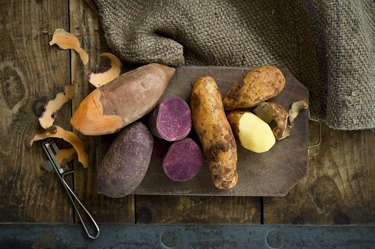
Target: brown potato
257 86
215 134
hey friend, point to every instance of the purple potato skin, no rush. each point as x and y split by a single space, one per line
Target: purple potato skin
126 162
171 119
183 161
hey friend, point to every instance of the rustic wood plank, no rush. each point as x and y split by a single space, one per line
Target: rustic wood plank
339 188
197 209
84 23
29 70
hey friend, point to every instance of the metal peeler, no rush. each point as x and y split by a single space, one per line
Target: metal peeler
51 150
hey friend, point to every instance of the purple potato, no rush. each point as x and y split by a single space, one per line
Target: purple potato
183 161
126 162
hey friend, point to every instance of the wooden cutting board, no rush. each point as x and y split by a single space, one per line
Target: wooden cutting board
272 173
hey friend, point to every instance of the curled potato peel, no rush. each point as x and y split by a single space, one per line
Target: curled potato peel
68 136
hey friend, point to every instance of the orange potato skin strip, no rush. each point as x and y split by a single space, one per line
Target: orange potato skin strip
46 120
69 137
67 40
65 155
100 79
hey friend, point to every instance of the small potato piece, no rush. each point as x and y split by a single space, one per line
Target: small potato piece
183 160
253 133
122 101
126 162
214 132
278 114
257 86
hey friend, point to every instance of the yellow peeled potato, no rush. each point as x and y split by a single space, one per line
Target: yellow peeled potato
252 132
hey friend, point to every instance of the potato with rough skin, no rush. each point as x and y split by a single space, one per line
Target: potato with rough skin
122 101
214 132
258 85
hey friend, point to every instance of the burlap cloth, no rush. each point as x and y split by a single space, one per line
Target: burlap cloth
327 44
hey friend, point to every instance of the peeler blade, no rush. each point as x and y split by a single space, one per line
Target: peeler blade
47 166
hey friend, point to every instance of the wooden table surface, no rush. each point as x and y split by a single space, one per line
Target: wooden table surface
339 188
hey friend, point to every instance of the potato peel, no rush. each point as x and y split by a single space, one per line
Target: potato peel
48 116
67 40
65 155
283 119
68 136
280 116
295 110
293 113
100 79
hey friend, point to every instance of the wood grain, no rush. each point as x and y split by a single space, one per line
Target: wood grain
194 209
339 188
84 23
30 70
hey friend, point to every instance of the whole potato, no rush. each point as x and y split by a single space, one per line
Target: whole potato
214 131
132 95
258 85
126 162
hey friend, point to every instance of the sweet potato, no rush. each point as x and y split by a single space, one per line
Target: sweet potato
257 86
126 162
131 96
183 160
214 132
171 119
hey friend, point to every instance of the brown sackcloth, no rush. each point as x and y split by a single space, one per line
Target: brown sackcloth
327 44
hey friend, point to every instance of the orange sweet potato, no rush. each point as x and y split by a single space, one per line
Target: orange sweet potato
131 96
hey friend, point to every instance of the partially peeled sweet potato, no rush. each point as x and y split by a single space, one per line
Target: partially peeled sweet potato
131 96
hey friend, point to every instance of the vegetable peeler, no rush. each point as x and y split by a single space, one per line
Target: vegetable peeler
51 150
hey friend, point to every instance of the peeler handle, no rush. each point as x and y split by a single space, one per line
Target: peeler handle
73 198
51 149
